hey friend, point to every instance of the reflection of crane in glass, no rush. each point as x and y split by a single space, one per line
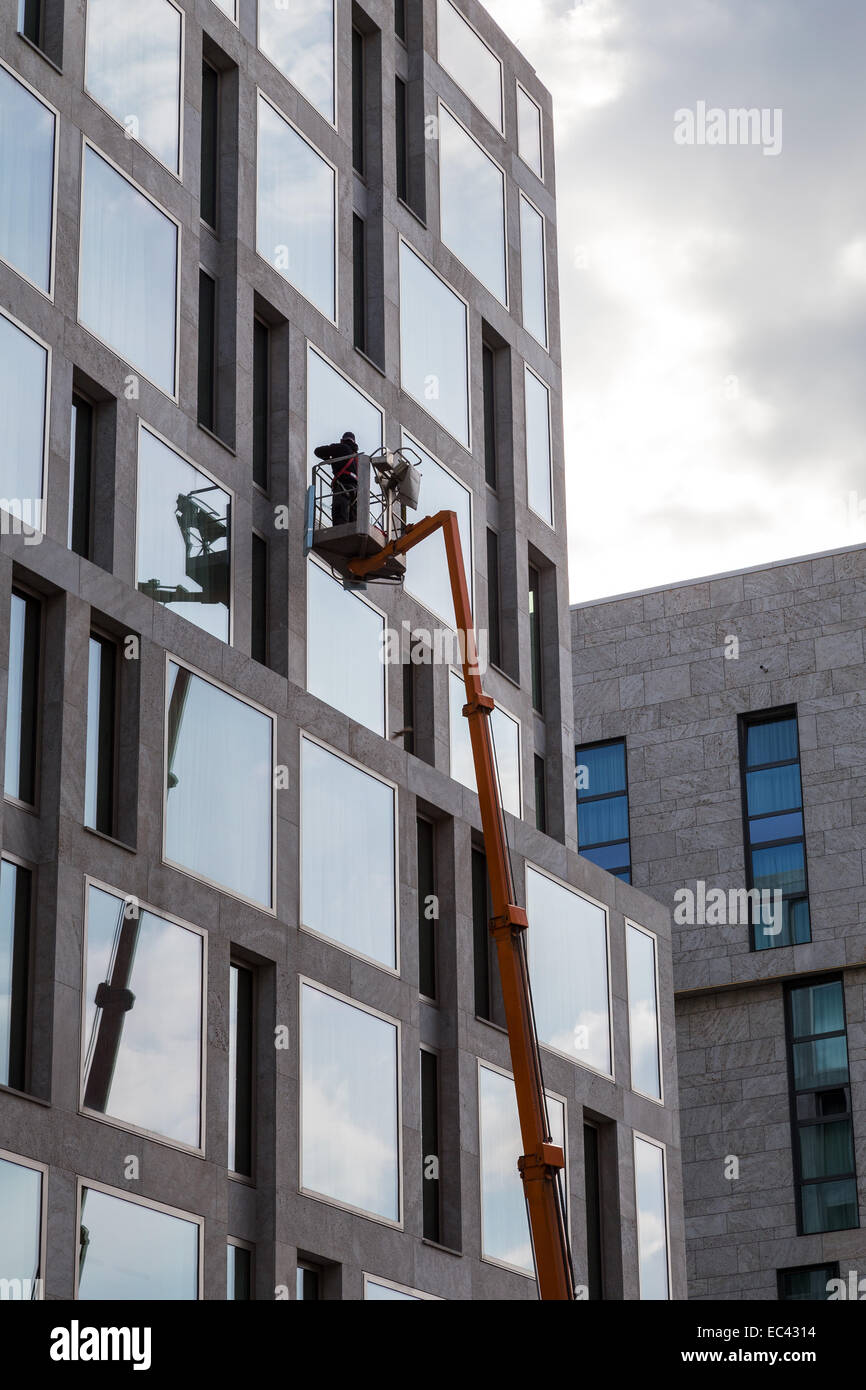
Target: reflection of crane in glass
206 544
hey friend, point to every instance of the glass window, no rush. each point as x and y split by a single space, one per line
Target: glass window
567 944
427 575
183 537
27 137
345 650
401 133
529 131
15 892
488 382
539 479
229 7
472 205
434 367
536 652
207 350
808 1284
335 405
532 271
505 1235
299 40
474 67
261 402
142 1042
133 69
652 1219
210 144
259 603
602 807
23 395
430 1144
296 209
377 1292
21 1193
643 1013
239 1269
240 1120
219 787
350 1114
134 1252
101 705
348 859
22 698
308 1284
505 731
127 291
775 848
80 477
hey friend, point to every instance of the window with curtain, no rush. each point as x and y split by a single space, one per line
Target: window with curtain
299 40
21 1196
465 56
773 812
127 290
567 949
532 271
296 202
505 732
427 576
131 1251
602 806
652 1219
28 130
823 1134
434 359
348 855
350 1131
472 205
133 69
345 648
219 787
23 396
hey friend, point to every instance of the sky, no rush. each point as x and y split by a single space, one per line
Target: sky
713 296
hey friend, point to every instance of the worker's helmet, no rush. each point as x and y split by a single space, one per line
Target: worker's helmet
350 440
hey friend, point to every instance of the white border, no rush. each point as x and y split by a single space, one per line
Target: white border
380 612
52 256
467 444
474 273
551 521
46 415
546 344
399 1288
656 1144
232 18
500 129
191 1217
42 1168
535 174
660 1098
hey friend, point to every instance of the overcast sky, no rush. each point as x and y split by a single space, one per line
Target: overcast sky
713 297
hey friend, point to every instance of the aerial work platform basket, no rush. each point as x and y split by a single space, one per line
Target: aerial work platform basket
346 521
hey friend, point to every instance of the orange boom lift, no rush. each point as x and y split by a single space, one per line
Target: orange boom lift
368 548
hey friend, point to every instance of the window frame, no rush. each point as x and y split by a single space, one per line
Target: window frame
305 735
261 96
192 1217
334 124
236 1243
603 796
442 106
173 395
313 347
399 1288
52 266
828 1265
46 411
458 674
407 438
30 595
530 371
106 640
629 922
43 1169
237 962
172 659
177 173
546 344
232 18
521 88
27 1003
143 426
398 1225
380 613
637 1134
439 424
500 129
91 881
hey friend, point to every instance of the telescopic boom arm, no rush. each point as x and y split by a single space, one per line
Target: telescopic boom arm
542 1160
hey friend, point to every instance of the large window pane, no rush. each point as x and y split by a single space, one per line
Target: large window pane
505 1233
345 650
773 741
183 537
533 275
474 66
539 481
142 1040
133 70
529 131
219 786
652 1227
818 1009
505 732
350 1144
23 386
15 886
643 1015
27 135
773 789
299 40
21 1224
348 855
567 944
132 1252
472 205
22 698
334 405
830 1206
434 365
375 1292
427 574
296 207
127 293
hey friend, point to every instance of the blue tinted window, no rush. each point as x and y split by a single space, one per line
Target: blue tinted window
780 867
818 1009
609 857
767 828
602 806
774 789
601 821
823 1062
772 742
772 796
605 769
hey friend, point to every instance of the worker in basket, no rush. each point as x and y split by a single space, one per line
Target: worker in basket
343 458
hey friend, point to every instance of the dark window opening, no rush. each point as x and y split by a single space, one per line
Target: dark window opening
401 106
535 650
240 1151
99 787
41 21
773 829
261 402
602 806
488 987
239 1282
359 281
408 707
540 795
210 85
430 1143
15 895
427 907
806 1284
206 351
81 478
400 19
309 1283
592 1178
259 601
494 600
358 103
488 361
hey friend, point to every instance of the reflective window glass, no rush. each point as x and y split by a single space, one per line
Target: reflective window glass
27 135
23 386
529 131
133 69
334 405
374 1292
643 1012
229 7
505 731
132 1252
219 786
299 40
22 698
345 650
568 966
127 290
350 1141
434 366
472 205
532 270
652 1225
296 209
474 66
427 575
21 1224
142 1040
183 537
348 855
539 480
